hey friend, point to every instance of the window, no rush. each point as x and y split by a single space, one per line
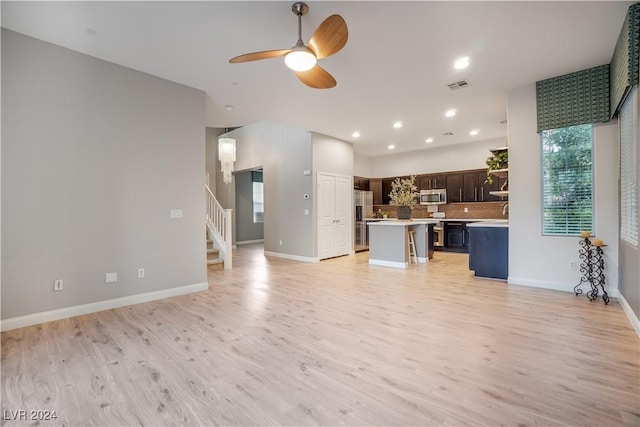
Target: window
628 170
567 178
258 196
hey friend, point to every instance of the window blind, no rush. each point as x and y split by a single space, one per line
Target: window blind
567 180
628 125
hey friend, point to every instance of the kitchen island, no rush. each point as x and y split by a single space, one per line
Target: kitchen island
489 249
388 241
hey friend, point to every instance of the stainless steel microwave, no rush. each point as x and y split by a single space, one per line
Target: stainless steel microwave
436 196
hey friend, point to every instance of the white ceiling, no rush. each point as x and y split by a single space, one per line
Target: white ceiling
395 66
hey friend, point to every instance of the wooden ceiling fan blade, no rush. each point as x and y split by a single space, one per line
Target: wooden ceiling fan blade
330 36
317 78
255 56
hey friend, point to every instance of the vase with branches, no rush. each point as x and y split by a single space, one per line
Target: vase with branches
404 194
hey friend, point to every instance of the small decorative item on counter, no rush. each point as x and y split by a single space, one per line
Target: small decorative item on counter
596 242
585 234
385 214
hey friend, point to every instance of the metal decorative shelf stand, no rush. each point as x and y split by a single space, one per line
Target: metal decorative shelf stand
592 269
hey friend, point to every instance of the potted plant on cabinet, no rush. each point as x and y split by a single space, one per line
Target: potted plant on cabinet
404 194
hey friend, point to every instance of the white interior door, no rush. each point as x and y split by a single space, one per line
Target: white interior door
343 209
334 215
326 216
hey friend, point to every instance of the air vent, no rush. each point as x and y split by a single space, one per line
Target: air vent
458 85
447 134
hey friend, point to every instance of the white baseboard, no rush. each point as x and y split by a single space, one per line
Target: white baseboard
630 314
78 310
292 257
556 286
249 242
384 263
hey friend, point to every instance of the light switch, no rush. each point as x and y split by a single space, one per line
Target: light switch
176 213
306 211
111 277
306 172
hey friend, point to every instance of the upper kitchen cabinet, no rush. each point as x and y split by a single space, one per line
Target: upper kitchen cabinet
386 189
375 186
454 187
431 182
485 188
360 183
470 188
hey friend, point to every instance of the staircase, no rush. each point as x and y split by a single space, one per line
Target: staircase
219 236
214 262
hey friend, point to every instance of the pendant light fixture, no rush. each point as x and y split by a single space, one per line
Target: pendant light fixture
227 156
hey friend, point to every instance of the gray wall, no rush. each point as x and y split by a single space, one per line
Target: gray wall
332 156
246 229
544 261
94 157
433 160
283 153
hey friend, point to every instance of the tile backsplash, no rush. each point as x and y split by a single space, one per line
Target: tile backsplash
488 210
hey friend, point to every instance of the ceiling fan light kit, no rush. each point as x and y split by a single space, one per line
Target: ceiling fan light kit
300 59
329 38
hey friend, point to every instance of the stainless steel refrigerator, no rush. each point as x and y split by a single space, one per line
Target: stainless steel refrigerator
364 209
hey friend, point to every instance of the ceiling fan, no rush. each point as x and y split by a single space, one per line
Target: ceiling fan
330 36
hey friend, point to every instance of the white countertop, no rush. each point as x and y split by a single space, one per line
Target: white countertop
401 222
432 220
474 219
490 223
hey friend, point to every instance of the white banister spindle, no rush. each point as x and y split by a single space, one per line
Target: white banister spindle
219 226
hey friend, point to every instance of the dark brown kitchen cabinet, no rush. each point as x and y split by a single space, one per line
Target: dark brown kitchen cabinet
454 187
360 183
386 189
439 181
485 187
375 185
431 182
470 187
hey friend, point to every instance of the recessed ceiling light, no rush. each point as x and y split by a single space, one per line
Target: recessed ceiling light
450 113
356 134
391 147
461 63
474 132
229 107
397 125
428 140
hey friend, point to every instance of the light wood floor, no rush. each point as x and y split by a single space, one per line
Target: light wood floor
276 342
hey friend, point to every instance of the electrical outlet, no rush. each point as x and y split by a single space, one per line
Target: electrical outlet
573 265
140 273
58 285
466 210
280 242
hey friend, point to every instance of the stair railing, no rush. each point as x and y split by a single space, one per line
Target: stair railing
219 226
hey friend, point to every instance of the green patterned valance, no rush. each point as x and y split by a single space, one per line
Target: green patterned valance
624 63
573 99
